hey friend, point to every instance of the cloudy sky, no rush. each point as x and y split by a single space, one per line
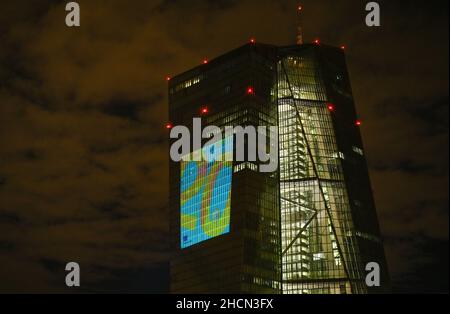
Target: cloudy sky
83 152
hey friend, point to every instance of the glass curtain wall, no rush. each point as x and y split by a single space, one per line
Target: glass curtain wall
319 252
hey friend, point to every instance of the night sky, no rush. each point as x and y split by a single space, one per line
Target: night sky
83 149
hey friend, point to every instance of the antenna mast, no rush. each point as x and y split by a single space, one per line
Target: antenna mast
299 25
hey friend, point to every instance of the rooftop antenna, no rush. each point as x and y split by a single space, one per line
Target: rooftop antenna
299 25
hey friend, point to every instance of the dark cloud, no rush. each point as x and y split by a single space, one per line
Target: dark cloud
130 110
83 160
405 165
427 269
432 113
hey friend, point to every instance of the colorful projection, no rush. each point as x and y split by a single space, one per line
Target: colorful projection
205 194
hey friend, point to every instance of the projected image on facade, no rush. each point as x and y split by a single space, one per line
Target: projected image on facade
205 198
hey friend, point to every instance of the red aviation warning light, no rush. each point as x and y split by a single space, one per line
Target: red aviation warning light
358 122
204 110
330 106
168 78
252 40
343 47
317 41
169 125
250 90
205 61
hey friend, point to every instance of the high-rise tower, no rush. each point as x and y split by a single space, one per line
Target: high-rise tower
310 226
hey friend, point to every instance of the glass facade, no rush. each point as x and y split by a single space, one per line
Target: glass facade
311 226
321 251
318 254
241 254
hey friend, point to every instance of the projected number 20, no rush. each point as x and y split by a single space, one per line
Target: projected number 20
205 200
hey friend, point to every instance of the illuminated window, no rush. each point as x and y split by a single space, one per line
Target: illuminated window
358 150
186 84
339 155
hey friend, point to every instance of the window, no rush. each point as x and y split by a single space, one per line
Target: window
186 84
358 150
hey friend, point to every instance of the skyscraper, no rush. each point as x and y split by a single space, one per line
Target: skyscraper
308 227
